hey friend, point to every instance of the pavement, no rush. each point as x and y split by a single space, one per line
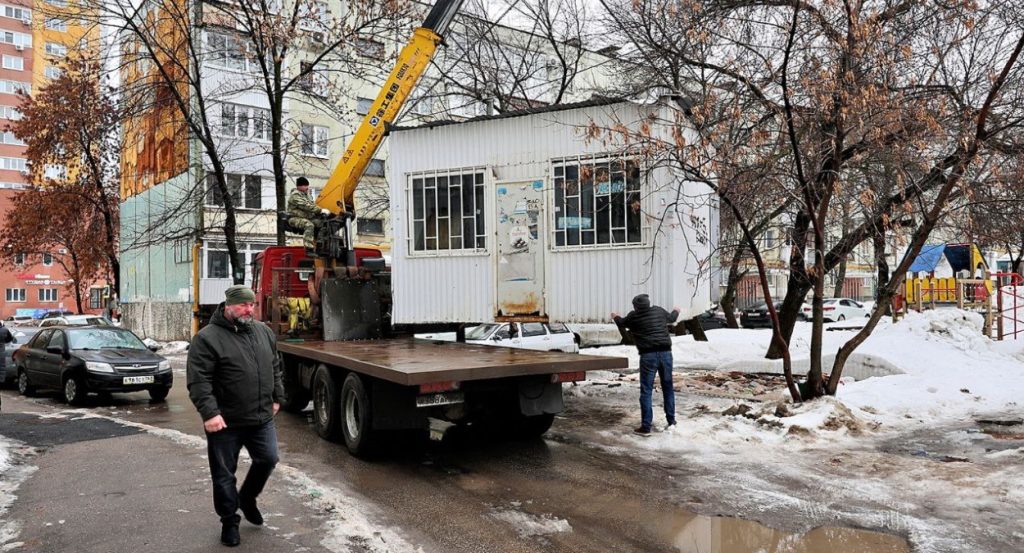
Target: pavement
105 486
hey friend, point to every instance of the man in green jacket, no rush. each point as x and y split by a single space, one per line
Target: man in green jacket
234 381
304 213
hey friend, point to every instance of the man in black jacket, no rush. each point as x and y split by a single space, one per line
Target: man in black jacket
234 380
649 326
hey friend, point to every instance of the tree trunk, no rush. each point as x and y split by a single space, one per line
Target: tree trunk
882 278
840 280
694 328
728 299
797 286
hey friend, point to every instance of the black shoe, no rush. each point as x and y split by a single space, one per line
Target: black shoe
642 431
251 512
229 534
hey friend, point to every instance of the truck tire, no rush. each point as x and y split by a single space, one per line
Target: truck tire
326 411
533 427
356 416
296 397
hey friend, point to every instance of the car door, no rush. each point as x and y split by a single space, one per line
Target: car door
51 362
31 358
847 309
561 338
534 336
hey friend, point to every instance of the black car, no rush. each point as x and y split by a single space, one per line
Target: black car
91 359
710 321
757 316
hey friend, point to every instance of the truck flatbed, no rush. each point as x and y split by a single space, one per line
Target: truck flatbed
412 361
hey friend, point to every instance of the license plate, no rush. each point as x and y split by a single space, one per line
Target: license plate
444 398
138 380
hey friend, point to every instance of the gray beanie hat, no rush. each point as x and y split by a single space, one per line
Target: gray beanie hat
642 301
238 294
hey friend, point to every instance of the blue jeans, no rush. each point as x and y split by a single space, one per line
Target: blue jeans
660 363
223 448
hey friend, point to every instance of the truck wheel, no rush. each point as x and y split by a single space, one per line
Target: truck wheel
296 398
326 412
532 427
357 421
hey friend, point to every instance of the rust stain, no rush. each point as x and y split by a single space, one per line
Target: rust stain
529 306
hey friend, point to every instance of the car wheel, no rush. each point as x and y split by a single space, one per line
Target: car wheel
74 390
25 387
326 412
356 416
159 393
842 317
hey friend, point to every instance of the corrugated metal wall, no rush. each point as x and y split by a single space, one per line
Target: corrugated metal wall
582 286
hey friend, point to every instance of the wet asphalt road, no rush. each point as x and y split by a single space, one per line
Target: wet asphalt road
445 496
475 493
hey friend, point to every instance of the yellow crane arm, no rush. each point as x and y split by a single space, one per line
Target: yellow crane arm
338 194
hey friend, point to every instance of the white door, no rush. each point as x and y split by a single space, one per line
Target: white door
520 240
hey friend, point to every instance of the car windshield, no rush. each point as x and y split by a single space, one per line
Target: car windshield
100 338
480 332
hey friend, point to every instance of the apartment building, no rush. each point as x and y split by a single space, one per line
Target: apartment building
35 38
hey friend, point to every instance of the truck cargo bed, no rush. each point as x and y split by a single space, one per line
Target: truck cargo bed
410 361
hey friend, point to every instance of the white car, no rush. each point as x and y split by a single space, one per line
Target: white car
76 320
537 336
838 309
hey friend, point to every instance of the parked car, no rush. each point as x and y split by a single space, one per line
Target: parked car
757 316
78 360
23 333
838 309
17 319
712 318
76 320
536 336
57 313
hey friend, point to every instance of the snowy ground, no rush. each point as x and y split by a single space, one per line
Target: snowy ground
916 445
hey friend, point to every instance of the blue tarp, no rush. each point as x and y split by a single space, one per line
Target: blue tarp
928 259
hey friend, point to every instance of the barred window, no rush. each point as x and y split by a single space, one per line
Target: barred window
446 211
598 202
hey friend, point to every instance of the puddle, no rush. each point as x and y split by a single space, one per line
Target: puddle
726 535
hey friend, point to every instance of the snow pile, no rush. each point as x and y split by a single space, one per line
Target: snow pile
13 471
171 348
529 525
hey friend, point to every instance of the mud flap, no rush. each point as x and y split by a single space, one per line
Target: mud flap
351 309
394 407
540 397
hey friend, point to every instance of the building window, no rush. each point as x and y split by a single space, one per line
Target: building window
363 105
47 259
244 122
314 15
446 210
375 168
10 113
95 298
230 52
313 140
217 265
7 137
246 191
369 48
370 226
14 62
13 164
14 87
17 39
19 259
16 295
58 3
56 50
311 81
21 14
597 203
48 294
56 24
53 73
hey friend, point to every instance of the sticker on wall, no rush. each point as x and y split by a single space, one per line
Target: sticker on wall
538 184
503 260
502 190
518 238
521 207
